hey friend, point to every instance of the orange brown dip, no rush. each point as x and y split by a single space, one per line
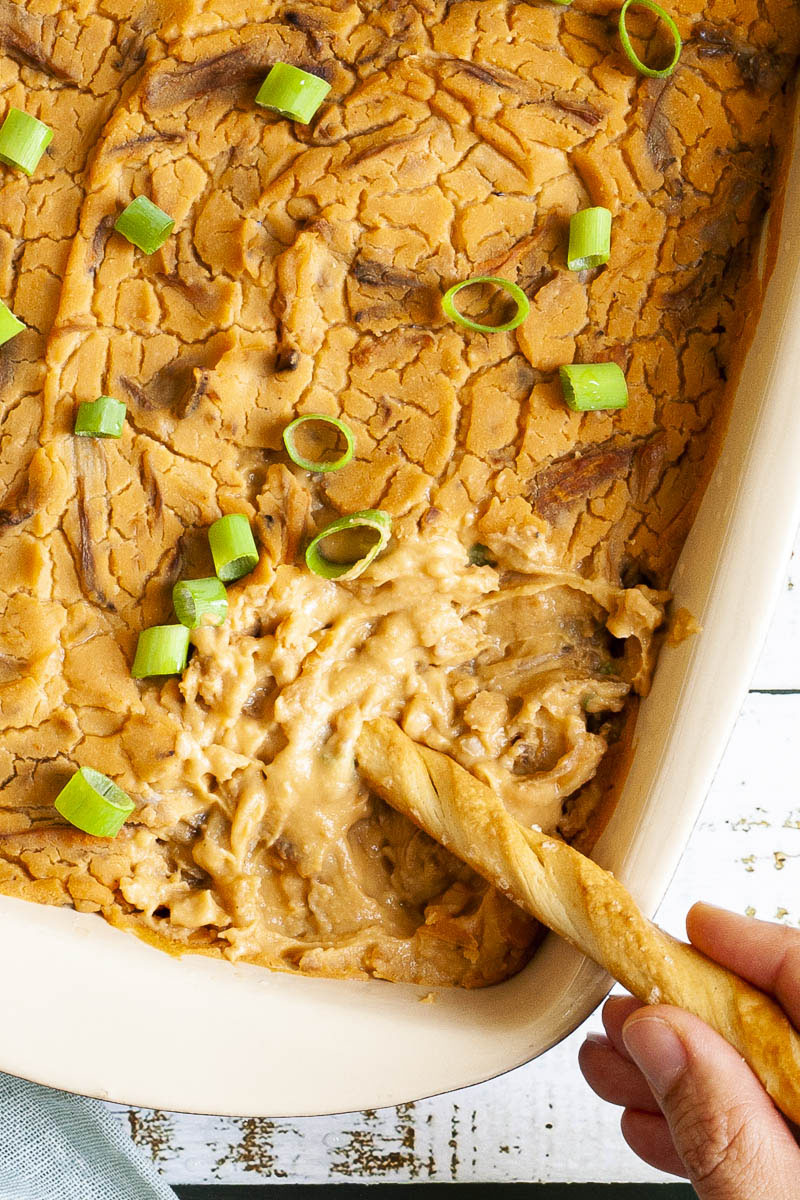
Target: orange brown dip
514 618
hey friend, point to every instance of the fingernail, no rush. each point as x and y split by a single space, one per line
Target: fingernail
597 1039
657 1051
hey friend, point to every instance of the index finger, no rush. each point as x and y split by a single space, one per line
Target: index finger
761 952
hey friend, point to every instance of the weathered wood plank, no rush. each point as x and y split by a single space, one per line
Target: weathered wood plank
457 1191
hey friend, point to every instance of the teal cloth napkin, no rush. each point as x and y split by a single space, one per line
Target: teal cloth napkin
54 1146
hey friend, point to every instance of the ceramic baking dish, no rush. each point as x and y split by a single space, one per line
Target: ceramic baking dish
89 1009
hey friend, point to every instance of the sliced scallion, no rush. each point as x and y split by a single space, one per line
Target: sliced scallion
480 556
94 803
23 140
319 464
233 547
516 294
9 325
103 418
627 45
589 239
199 601
589 387
161 650
292 93
374 519
144 224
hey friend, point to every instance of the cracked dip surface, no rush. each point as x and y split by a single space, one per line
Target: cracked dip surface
514 618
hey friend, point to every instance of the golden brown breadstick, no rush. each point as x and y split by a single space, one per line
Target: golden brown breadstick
580 901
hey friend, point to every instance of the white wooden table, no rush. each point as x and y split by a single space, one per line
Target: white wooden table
541 1123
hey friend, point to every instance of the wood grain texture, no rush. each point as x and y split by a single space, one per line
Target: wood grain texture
744 853
464 1191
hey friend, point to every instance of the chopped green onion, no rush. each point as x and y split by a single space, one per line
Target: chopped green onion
161 650
369 518
624 37
292 93
480 556
591 386
9 325
103 418
144 224
196 599
589 239
309 464
233 547
516 294
23 140
94 803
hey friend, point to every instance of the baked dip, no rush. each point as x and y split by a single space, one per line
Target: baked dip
504 525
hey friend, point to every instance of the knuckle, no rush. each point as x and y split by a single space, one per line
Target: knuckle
715 1146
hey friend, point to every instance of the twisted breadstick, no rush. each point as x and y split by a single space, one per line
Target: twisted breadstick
580 901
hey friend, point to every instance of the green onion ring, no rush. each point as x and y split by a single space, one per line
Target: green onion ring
516 294
626 41
308 464
9 325
292 93
161 650
233 547
103 418
194 600
144 224
593 387
480 556
94 803
23 140
370 518
589 239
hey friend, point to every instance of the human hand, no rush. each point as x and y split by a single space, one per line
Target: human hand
692 1105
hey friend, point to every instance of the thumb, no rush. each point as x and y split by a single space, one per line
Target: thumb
726 1130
